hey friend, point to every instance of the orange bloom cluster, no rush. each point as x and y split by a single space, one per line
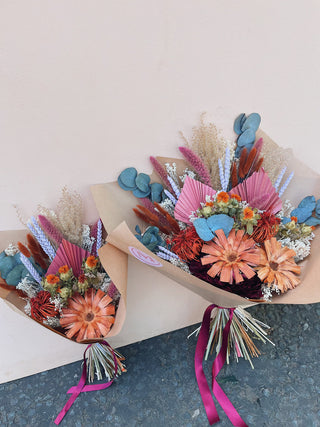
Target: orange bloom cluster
64 269
231 256
236 196
92 261
52 279
222 197
248 213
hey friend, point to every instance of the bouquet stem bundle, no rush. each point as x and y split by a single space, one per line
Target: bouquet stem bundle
244 328
100 362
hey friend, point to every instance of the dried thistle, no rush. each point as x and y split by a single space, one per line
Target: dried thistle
208 143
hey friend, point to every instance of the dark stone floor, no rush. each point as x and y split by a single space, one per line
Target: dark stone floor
160 389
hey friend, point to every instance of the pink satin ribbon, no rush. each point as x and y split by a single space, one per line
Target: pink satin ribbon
81 387
218 363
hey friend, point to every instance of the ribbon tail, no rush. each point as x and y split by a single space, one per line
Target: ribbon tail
204 388
66 407
90 387
220 395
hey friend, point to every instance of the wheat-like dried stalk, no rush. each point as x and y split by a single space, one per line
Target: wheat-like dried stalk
69 215
208 143
275 158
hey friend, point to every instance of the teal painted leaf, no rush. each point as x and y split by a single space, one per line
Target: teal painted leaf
220 222
142 182
202 229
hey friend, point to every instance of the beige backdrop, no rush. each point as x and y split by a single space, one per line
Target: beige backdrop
91 87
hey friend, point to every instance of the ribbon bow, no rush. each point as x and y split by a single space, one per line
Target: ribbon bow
82 387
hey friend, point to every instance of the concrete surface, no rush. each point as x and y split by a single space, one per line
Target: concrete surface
160 387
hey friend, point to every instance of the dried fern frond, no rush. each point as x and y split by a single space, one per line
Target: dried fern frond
69 215
208 143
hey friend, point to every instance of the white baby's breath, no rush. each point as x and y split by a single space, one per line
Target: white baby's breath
11 250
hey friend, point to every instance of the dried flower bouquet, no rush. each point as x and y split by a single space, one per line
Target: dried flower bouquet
57 278
217 222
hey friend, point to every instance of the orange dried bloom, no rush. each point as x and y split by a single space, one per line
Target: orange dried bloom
236 196
209 204
222 197
52 279
277 265
64 269
294 218
187 244
88 317
231 256
248 213
92 261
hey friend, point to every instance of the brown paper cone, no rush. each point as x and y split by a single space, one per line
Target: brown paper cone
109 254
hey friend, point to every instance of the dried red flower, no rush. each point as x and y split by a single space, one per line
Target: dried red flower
41 307
82 278
187 244
267 227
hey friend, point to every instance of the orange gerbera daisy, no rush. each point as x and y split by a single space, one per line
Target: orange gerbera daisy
222 197
277 265
88 317
231 256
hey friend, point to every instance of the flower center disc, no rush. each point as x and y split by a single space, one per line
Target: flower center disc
89 317
232 257
274 265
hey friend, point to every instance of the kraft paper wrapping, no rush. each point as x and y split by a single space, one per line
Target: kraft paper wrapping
115 208
108 254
